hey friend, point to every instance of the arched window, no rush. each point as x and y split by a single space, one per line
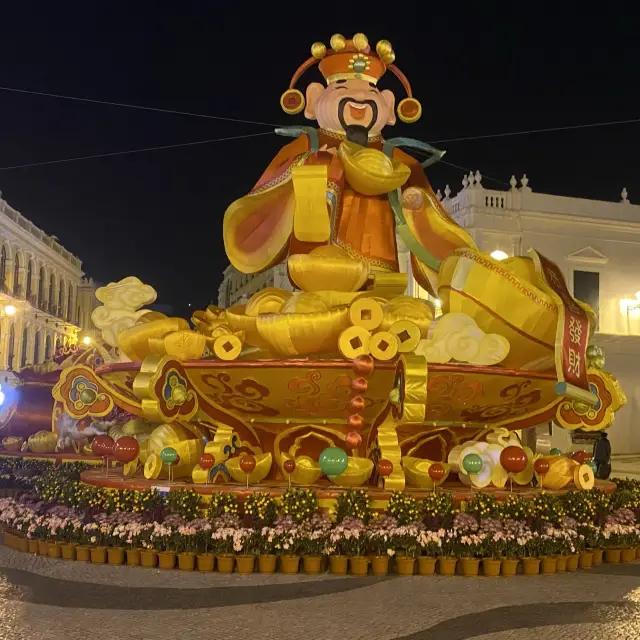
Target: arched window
78 316
57 343
41 285
25 340
11 346
60 297
3 264
29 277
16 275
52 291
36 349
70 303
47 347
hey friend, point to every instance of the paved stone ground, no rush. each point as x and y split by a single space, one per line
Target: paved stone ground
41 598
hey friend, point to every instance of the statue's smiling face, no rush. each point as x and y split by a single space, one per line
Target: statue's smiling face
350 106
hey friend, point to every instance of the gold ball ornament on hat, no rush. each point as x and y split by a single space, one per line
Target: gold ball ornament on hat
292 101
409 110
384 48
360 41
318 50
338 42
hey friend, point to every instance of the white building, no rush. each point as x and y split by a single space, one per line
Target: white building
595 243
44 300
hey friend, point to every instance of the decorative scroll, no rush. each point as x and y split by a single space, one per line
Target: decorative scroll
82 393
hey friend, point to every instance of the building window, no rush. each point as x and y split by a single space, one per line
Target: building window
69 303
586 288
41 285
52 291
11 346
60 298
3 265
36 349
29 277
25 340
47 348
16 275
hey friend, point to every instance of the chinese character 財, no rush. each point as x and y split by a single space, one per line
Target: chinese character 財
574 362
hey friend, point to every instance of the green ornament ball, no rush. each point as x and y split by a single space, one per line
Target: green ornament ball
169 455
333 461
472 463
88 396
593 465
555 452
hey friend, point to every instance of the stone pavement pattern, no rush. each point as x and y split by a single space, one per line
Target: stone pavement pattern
42 598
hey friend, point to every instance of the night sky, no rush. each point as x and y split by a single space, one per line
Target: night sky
158 215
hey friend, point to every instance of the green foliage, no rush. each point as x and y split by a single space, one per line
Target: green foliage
299 504
404 508
261 509
483 505
513 507
353 503
223 504
184 503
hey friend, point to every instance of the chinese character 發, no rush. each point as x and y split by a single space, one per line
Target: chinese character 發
575 330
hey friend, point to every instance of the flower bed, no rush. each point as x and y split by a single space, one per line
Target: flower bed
547 533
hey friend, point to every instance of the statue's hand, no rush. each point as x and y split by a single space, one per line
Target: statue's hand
412 199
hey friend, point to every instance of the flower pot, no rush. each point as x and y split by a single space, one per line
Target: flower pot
226 562
509 567
379 565
312 565
115 555
83 553
561 564
32 546
447 565
426 565
186 561
267 563
405 565
22 544
531 566
54 550
8 540
491 567
245 564
358 566
586 560
597 557
148 558
166 560
637 553
338 565
68 551
548 565
289 564
98 555
628 555
205 562
572 562
612 556
470 567
43 548
133 557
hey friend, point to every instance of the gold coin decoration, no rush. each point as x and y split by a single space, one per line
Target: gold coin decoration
129 469
583 477
152 467
407 334
354 342
366 313
383 345
227 347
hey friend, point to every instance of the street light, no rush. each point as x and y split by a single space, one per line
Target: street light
499 254
86 340
10 310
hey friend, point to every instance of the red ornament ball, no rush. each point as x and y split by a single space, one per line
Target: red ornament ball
363 365
359 385
289 466
437 472
102 446
357 404
355 422
126 449
541 466
247 464
207 461
353 440
385 468
581 457
513 459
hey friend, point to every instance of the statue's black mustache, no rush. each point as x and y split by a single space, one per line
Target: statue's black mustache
374 108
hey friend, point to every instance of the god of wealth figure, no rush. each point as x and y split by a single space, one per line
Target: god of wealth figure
342 184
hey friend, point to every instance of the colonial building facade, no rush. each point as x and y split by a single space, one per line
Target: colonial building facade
595 243
44 300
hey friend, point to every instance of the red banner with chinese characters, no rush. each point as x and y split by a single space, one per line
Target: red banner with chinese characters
572 335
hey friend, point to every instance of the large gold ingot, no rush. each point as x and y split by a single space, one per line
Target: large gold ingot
43 442
400 308
238 320
182 440
560 474
303 333
327 268
260 472
416 470
134 341
306 473
269 300
303 302
358 471
371 172
503 298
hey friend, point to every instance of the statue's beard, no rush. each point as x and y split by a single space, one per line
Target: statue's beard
356 132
